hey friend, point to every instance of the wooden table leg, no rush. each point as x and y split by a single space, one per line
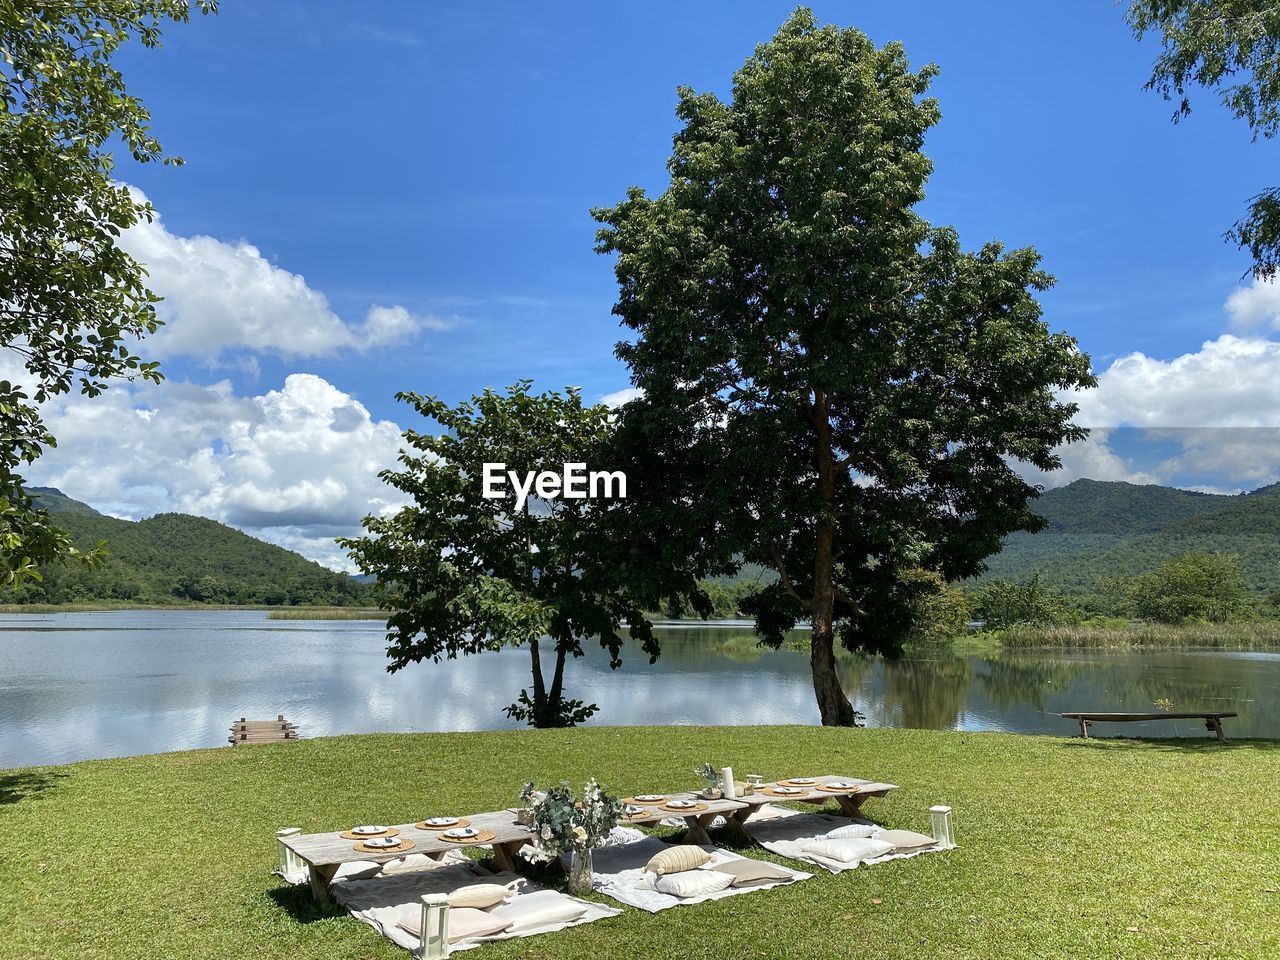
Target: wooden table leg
1084 728
851 803
320 878
504 854
698 828
1215 725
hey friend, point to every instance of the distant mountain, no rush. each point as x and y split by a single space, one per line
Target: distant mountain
1101 529
175 557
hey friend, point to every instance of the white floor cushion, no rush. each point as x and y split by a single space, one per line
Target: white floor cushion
692 883
538 910
854 831
848 851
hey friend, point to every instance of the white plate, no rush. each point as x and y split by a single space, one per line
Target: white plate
787 790
801 780
368 830
383 842
841 784
681 804
440 821
464 833
651 797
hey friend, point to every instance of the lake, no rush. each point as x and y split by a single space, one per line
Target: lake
75 686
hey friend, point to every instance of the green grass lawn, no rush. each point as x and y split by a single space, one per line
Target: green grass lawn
1068 848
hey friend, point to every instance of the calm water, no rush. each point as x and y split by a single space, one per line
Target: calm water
83 685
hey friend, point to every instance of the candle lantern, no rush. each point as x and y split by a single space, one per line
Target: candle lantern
288 864
435 926
941 817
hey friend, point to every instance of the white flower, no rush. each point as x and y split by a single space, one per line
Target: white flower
546 833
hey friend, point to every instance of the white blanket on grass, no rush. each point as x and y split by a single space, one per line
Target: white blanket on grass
784 835
618 872
384 902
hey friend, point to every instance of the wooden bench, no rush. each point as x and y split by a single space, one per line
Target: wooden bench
262 731
1212 721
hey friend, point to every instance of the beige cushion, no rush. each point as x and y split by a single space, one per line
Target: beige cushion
480 895
677 860
905 839
752 873
465 923
847 851
539 909
854 831
692 883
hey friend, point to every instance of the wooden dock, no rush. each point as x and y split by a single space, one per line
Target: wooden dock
262 731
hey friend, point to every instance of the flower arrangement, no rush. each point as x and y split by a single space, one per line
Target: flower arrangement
564 823
708 773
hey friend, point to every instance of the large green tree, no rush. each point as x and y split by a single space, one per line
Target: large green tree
1233 47
832 387
461 573
71 301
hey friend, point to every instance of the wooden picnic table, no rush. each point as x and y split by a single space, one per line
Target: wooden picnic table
324 853
697 821
850 801
1212 720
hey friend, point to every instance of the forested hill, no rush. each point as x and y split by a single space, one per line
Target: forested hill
174 557
1106 529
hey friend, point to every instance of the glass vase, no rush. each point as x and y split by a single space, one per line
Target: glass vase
580 870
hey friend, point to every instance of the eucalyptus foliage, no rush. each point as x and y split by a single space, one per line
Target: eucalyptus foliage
462 575
1232 46
71 301
563 822
833 388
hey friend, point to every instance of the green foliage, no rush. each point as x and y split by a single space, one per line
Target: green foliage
1195 587
1006 603
1232 46
173 557
1099 535
71 301
940 613
462 574
833 388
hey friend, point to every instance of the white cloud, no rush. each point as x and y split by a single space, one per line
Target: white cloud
618 397
1255 306
221 296
295 466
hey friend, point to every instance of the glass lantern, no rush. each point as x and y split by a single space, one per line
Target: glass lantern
941 817
435 926
288 863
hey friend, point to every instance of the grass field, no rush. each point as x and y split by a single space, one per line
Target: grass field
1068 848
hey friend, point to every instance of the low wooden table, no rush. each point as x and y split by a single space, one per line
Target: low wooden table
696 822
326 852
1212 721
850 802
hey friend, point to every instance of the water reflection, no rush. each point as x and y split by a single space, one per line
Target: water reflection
74 686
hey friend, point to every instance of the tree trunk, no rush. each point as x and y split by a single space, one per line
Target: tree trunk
540 711
833 706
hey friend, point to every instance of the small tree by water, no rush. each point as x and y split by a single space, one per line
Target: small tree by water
463 574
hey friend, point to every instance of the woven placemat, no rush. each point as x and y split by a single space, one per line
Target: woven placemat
389 832
462 822
405 844
698 807
646 803
484 836
830 789
771 792
637 817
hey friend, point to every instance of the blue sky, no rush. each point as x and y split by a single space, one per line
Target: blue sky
441 160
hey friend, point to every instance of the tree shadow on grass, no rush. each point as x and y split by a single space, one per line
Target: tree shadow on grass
16 787
1174 744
